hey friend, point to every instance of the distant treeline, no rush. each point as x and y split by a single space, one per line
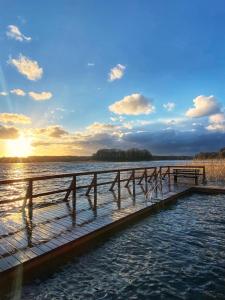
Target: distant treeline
100 155
211 155
122 155
132 155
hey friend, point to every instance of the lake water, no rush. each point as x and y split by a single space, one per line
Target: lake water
18 170
178 253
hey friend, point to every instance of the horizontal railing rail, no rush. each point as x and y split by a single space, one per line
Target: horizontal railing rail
66 175
145 174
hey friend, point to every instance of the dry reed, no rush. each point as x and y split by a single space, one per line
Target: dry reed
215 169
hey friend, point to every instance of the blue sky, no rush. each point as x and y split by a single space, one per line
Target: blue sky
165 52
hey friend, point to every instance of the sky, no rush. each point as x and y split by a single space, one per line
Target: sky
80 75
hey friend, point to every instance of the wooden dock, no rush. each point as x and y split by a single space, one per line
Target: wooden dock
35 230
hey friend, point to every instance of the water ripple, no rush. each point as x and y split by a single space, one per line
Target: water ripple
178 253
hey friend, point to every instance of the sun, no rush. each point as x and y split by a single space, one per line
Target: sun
20 147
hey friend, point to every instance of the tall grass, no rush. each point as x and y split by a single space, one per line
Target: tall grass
215 169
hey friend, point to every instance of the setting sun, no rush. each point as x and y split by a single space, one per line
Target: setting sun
20 147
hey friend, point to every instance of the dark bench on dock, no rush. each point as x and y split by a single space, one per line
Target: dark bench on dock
186 173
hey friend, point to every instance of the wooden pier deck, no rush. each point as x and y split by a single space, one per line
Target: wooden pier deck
31 234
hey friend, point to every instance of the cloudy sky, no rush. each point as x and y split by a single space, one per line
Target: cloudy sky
79 75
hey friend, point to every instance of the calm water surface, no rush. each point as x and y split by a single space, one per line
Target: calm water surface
178 253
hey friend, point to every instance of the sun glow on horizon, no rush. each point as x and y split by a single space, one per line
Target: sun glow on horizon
20 147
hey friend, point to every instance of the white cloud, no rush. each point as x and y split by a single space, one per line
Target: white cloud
135 104
173 121
90 64
14 118
27 67
203 106
117 72
18 92
54 131
40 96
3 94
117 119
169 106
128 125
14 32
97 127
217 122
217 118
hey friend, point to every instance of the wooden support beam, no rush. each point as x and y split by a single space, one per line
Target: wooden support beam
90 186
72 187
114 182
129 179
152 175
142 177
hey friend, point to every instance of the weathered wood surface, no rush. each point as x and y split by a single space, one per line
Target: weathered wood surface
24 237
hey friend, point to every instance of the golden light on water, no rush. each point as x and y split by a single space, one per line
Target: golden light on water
20 147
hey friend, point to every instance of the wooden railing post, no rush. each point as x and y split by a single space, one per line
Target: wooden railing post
175 176
156 180
169 179
119 191
160 178
74 194
204 175
133 179
196 177
146 180
29 194
95 191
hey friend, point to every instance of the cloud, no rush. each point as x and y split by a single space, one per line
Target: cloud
217 122
8 132
164 141
97 127
90 64
117 119
14 118
40 96
172 142
54 131
27 67
203 106
18 92
13 32
169 106
3 94
135 104
117 72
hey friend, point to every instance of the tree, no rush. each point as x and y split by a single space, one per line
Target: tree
122 155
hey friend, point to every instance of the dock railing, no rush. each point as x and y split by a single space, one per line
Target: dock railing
136 176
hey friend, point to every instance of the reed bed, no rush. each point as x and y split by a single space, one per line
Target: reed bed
215 169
